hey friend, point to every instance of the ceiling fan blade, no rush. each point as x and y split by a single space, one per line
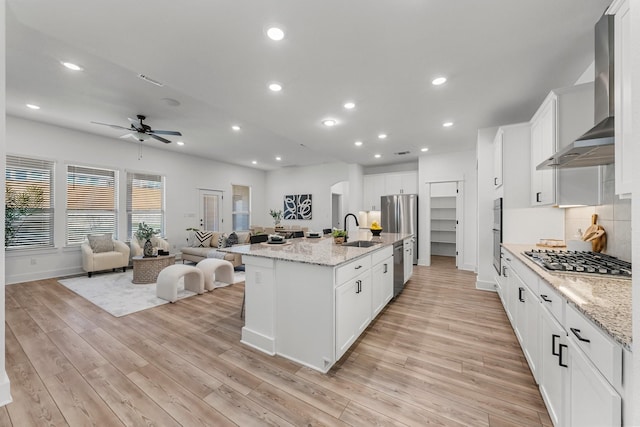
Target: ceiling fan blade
165 132
111 126
138 136
159 138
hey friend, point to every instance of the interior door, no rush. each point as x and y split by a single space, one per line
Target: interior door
210 208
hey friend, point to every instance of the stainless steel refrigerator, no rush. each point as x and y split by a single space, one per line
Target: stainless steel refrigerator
399 214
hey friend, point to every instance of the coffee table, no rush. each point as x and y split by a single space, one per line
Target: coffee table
146 270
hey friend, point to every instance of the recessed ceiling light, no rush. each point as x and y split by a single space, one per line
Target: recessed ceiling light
377 156
275 33
438 81
235 127
72 66
33 106
275 87
278 158
424 149
382 136
349 105
180 143
447 124
329 122
358 143
254 162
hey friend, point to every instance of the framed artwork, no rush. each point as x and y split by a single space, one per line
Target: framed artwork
297 206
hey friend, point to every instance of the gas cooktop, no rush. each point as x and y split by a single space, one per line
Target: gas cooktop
580 262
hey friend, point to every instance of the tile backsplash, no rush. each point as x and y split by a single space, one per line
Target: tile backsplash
614 214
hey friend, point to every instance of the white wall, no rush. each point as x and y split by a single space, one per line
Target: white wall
459 166
314 180
184 175
486 196
5 392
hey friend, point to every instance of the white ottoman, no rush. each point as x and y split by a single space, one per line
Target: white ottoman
215 269
167 283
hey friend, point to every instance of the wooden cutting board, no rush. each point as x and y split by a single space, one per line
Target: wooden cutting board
591 230
599 240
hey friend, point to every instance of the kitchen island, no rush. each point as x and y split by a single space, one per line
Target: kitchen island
309 299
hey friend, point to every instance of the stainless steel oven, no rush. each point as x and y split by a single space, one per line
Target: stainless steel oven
497 233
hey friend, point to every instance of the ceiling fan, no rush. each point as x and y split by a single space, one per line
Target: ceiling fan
142 132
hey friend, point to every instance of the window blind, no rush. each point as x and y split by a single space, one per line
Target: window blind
145 201
35 229
91 202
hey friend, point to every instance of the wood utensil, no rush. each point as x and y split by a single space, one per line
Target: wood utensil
591 229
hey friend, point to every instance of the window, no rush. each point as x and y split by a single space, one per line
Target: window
91 202
241 210
145 201
36 229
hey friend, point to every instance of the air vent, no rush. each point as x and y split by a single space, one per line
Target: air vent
150 80
401 153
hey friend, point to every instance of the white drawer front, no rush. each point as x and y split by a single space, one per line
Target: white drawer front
352 269
601 350
552 301
380 255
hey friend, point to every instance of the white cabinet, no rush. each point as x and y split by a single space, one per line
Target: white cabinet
378 185
516 161
497 158
622 96
353 310
408 258
552 368
382 284
564 115
526 312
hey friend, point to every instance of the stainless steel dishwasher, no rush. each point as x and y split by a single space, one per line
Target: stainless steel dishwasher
398 268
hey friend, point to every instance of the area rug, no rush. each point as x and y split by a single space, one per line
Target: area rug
116 294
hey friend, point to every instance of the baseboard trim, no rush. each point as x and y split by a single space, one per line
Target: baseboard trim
5 389
41 275
485 285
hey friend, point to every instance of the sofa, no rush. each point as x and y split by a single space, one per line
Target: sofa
204 244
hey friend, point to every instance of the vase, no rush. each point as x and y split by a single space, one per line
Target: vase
148 248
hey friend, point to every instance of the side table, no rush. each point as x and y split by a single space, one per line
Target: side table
146 270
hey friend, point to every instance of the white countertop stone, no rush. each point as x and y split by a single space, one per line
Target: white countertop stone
322 251
605 300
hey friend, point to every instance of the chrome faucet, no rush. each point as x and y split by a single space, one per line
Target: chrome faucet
345 223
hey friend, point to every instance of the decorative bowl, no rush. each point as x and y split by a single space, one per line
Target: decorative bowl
376 232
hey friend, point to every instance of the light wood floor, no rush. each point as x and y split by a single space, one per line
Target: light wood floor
442 354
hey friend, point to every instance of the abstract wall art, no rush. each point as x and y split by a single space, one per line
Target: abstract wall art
297 206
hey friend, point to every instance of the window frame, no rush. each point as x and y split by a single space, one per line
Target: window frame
235 212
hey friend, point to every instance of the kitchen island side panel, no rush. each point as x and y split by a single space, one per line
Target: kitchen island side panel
259 329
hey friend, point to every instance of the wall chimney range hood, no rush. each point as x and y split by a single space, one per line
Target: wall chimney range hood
596 146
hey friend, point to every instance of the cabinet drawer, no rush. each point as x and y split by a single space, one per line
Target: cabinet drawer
380 255
526 274
352 269
552 301
601 350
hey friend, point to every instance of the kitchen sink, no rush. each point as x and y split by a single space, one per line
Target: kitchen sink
361 243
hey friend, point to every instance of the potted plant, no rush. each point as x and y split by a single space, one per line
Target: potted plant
339 236
276 215
145 233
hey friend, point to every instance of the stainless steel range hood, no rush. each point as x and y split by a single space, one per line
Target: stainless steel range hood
596 146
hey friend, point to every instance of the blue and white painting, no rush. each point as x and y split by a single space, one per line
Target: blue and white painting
297 206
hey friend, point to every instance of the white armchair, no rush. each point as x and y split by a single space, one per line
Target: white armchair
157 242
99 254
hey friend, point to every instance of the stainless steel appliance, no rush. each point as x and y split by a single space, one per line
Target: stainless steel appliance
398 268
497 233
399 214
580 262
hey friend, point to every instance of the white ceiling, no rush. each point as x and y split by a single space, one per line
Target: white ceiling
500 57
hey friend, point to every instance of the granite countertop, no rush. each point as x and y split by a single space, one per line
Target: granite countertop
318 251
604 300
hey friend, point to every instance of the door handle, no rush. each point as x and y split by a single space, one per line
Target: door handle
538 197
560 353
554 337
576 332
385 268
520 290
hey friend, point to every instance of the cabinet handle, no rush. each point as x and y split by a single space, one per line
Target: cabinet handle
538 197
504 271
508 259
495 181
520 291
385 268
545 298
576 332
560 353
358 267
357 286
554 337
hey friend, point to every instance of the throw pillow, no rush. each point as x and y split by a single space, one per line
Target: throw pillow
191 239
222 241
100 242
203 239
232 239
